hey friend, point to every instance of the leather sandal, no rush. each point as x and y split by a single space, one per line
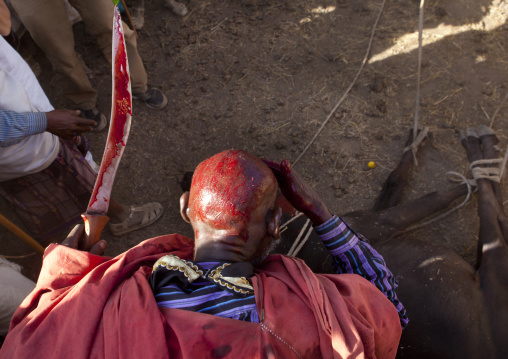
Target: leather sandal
152 212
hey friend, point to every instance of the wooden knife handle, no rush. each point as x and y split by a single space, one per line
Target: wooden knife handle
94 225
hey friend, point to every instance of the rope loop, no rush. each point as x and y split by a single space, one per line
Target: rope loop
491 172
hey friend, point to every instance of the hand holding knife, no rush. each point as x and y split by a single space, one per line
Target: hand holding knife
95 216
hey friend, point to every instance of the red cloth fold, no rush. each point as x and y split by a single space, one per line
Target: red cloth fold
90 306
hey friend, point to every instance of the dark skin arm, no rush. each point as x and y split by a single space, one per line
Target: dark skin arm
75 240
5 19
299 193
67 123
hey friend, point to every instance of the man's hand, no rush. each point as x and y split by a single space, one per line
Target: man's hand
299 193
75 240
67 123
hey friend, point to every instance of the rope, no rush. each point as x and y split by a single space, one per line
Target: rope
348 89
297 215
418 77
490 173
417 142
302 243
298 238
465 181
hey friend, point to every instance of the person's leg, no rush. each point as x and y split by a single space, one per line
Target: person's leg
49 26
98 17
15 287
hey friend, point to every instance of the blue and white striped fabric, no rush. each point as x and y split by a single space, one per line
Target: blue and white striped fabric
352 255
15 126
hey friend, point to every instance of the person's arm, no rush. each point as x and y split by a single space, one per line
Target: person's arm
15 126
5 19
351 254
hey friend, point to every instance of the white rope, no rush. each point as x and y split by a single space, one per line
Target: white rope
295 243
297 215
417 141
469 190
490 173
348 89
302 243
418 77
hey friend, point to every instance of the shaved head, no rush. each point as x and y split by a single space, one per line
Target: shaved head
228 188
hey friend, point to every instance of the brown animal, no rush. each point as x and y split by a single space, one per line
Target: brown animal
455 310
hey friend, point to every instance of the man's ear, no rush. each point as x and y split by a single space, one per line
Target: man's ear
274 222
184 206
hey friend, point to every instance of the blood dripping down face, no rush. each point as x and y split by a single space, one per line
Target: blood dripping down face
227 188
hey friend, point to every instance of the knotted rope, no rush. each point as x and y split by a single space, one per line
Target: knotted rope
492 173
417 142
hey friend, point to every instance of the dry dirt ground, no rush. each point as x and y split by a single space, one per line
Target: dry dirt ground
262 75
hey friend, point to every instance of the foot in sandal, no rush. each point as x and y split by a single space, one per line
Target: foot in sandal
138 217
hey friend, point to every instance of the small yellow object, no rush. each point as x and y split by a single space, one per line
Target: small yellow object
371 164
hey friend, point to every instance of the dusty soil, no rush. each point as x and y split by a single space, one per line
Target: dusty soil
263 75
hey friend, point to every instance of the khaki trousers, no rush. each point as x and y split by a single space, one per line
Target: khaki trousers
49 25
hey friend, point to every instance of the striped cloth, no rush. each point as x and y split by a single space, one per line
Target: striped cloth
14 126
350 254
203 295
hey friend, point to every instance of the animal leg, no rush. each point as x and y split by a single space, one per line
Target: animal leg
393 187
492 259
490 147
384 224
388 218
490 210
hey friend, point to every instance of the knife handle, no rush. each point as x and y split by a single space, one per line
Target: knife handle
94 225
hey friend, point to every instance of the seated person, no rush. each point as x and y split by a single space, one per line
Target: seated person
219 295
44 176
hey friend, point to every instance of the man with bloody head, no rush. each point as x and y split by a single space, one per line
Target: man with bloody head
232 208
219 295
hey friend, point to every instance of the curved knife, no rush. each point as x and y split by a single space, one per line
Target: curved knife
121 114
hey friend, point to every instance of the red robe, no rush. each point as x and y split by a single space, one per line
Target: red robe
91 306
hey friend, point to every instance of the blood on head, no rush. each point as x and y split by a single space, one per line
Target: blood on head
227 188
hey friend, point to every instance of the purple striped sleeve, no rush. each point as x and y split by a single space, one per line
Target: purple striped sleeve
352 255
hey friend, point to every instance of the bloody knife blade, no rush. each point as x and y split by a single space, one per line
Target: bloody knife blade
121 114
